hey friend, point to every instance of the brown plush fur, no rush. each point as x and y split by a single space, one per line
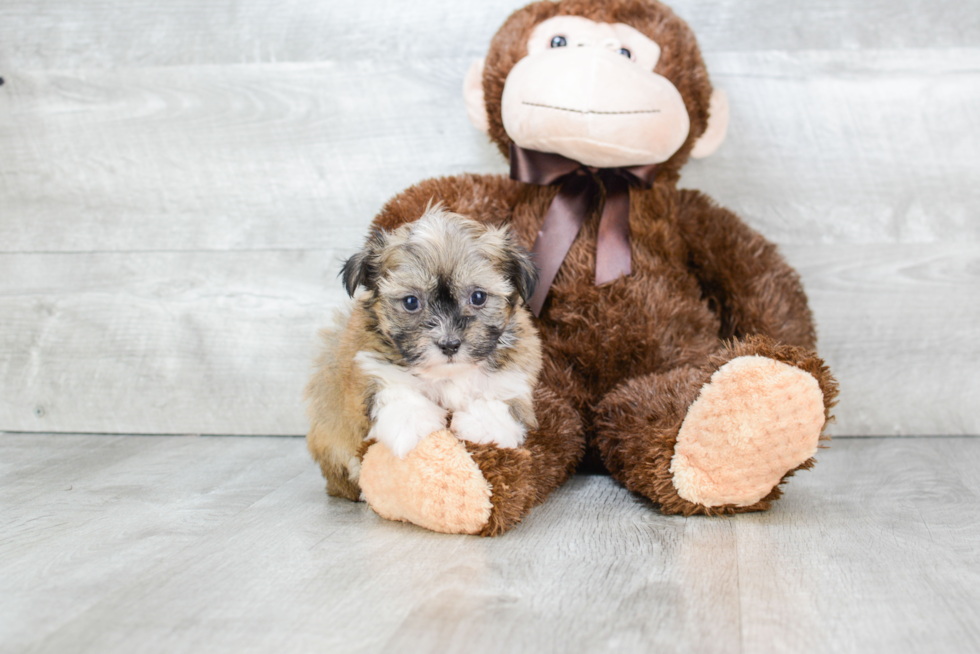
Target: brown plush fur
624 361
523 478
637 446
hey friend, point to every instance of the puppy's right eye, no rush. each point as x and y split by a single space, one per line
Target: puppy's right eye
411 303
559 42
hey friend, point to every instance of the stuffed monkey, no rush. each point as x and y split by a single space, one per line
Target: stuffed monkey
678 346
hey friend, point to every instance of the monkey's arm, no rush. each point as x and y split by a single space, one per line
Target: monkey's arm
485 198
463 487
755 290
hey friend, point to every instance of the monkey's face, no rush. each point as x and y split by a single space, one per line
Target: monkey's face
587 91
607 83
444 291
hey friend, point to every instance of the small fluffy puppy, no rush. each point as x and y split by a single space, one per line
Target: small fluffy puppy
439 337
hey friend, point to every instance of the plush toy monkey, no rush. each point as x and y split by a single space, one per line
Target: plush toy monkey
678 345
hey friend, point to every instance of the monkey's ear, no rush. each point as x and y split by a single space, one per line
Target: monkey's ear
476 106
521 270
717 126
362 268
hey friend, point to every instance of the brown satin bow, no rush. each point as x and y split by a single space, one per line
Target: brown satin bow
566 215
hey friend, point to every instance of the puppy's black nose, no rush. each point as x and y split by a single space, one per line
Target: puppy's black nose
449 346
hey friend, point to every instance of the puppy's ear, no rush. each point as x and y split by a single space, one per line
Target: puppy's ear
362 269
500 245
521 271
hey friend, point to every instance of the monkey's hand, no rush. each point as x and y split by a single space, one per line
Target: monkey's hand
488 421
403 417
460 487
438 486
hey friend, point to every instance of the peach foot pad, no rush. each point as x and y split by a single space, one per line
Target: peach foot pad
754 421
437 485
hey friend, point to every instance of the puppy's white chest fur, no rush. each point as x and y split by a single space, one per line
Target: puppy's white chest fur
411 404
455 387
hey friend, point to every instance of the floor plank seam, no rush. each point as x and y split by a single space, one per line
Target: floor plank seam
738 593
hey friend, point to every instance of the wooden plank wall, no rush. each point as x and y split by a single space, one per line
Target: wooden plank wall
179 182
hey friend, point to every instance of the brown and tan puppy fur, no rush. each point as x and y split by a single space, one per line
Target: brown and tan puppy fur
693 380
439 337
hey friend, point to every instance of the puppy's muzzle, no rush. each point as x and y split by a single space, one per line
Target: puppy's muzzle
449 346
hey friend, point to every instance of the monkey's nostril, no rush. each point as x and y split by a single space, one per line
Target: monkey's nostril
449 346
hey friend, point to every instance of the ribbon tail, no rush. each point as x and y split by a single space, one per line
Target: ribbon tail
612 254
561 225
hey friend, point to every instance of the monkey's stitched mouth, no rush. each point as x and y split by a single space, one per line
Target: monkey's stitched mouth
590 111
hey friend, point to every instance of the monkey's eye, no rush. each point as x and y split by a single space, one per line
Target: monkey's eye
478 299
411 303
626 53
558 42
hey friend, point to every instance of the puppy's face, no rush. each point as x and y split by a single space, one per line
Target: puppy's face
443 289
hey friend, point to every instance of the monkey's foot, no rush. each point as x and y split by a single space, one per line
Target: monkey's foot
753 422
447 485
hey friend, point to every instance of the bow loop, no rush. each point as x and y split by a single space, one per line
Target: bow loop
580 185
539 168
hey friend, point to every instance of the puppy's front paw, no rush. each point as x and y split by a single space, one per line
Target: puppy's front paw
488 422
402 427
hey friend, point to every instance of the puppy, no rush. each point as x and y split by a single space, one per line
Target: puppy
439 336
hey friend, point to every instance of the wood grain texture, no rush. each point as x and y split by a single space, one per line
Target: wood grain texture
252 157
898 326
85 515
873 552
223 342
179 183
823 147
59 34
116 544
162 342
849 148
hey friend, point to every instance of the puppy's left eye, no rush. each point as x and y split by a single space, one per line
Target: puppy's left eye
478 299
626 53
411 303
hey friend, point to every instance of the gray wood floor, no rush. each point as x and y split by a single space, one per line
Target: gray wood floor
229 544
